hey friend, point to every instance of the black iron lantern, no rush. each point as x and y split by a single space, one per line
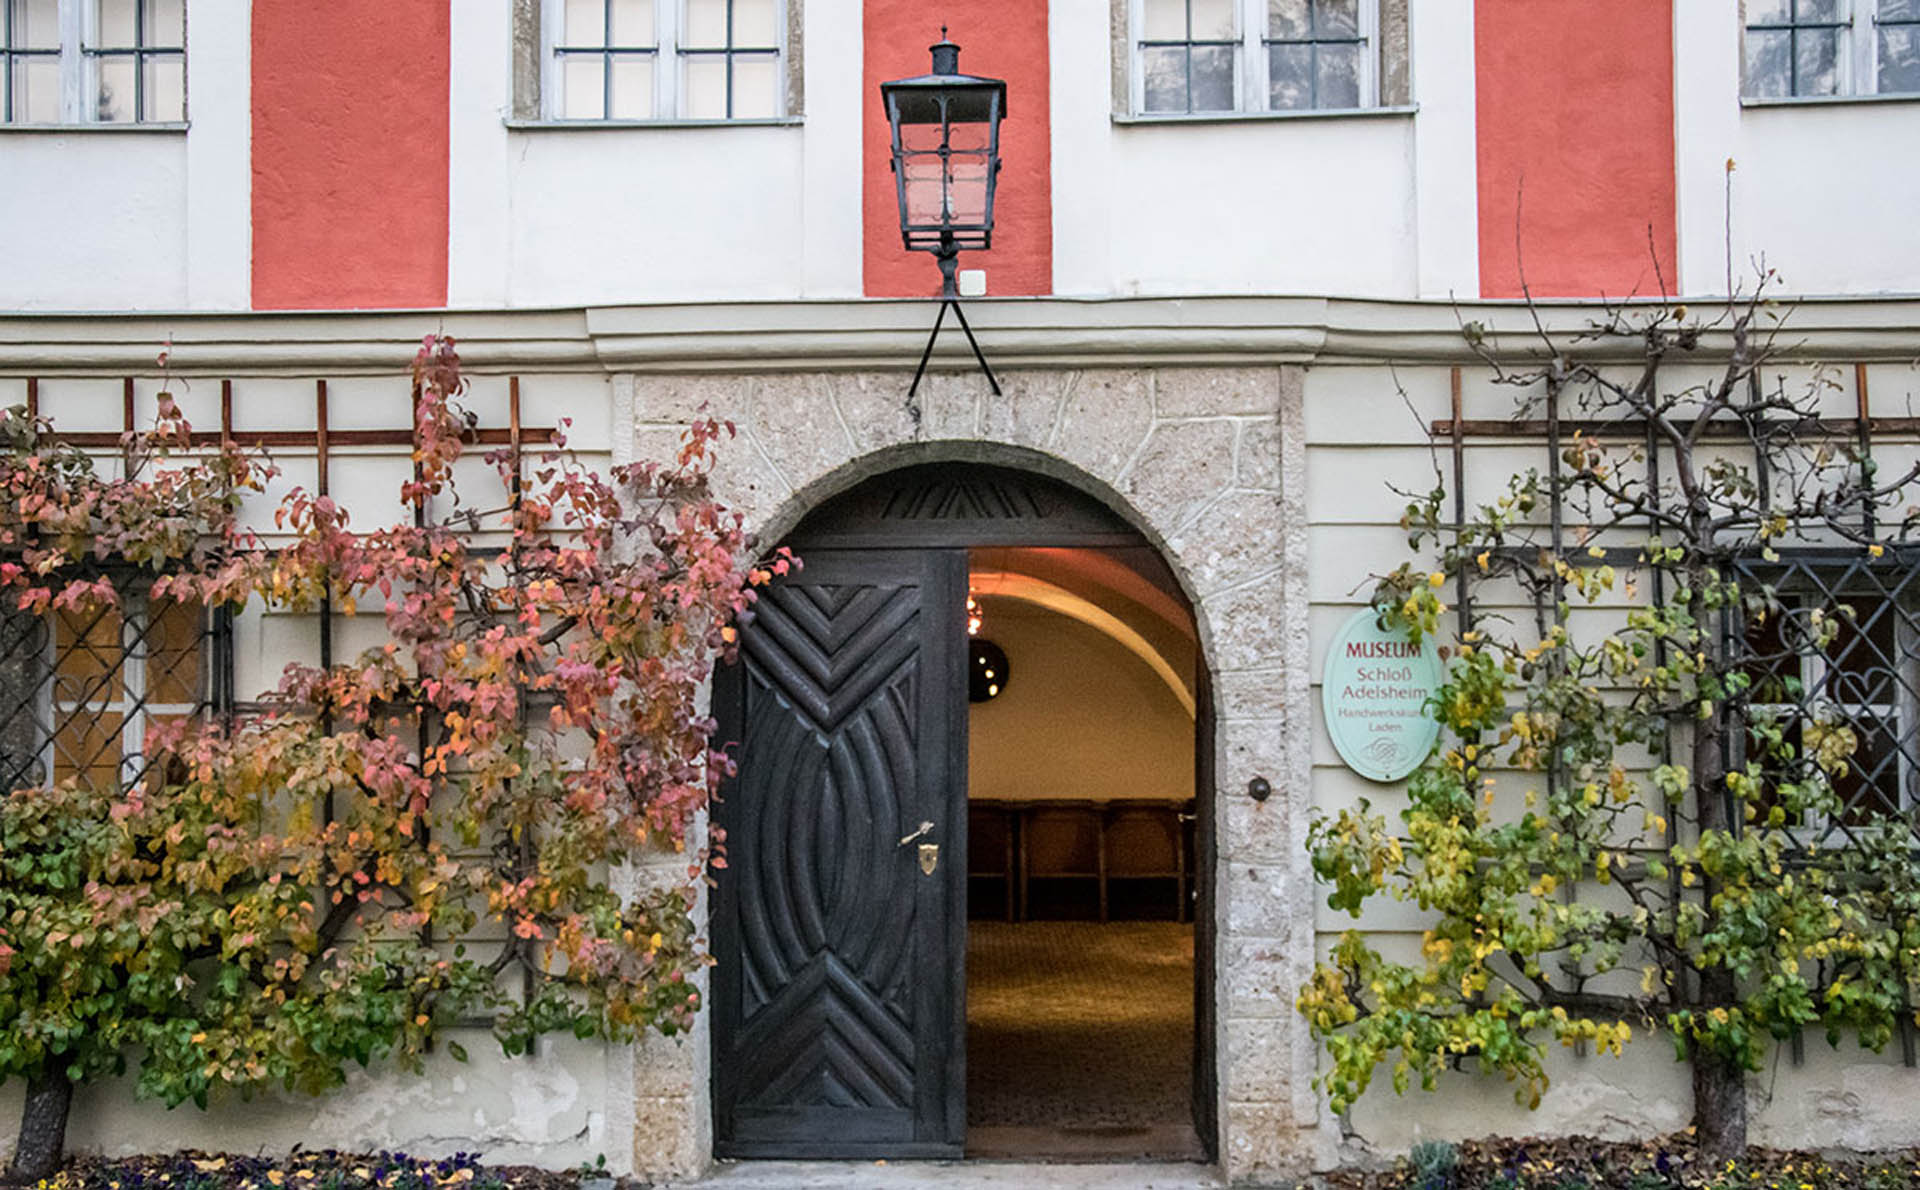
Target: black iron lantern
946 157
946 166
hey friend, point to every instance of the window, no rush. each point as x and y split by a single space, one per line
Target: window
93 61
78 689
664 59
1839 655
1194 57
1831 48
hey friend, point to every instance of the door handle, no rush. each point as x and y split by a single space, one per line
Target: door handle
926 828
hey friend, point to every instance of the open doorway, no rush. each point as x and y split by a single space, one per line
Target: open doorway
1082 872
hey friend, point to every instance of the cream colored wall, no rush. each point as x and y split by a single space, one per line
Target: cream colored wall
1366 434
1082 717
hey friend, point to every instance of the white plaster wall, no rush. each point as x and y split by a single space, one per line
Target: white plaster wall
1821 189
549 216
93 220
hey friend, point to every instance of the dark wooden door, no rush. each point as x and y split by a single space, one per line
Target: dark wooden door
838 994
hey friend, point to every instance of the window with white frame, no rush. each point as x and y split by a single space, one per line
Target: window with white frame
1194 57
93 61
617 60
1832 48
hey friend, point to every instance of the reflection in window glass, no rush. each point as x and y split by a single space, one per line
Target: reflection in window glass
1315 54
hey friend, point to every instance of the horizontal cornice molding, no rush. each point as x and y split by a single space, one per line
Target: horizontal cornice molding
889 335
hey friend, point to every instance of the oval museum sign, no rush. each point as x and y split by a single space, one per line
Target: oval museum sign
1374 691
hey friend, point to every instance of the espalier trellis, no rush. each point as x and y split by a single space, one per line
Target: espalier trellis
389 849
1676 784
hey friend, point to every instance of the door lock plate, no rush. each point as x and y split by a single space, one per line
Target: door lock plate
929 857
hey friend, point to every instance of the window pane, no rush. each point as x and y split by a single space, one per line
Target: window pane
632 87
167 23
756 87
1163 69
1816 10
583 86
1900 10
1164 20
633 23
756 23
36 24
1212 19
1213 78
118 21
86 745
166 85
1768 66
1339 76
1817 61
1769 12
36 90
115 91
173 652
1336 18
706 84
706 23
1900 59
87 655
1289 77
1289 20
585 23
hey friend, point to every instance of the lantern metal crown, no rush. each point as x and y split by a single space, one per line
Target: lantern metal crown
946 163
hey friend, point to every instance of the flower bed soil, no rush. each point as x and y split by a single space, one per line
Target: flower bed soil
1666 1163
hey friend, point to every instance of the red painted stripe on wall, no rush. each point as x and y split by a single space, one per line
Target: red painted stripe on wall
1004 39
350 153
1574 115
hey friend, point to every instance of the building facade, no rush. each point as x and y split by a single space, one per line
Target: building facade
1235 247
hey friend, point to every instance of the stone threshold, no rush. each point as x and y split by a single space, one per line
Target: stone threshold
954 1175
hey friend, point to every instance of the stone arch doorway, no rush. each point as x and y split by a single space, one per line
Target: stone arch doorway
840 920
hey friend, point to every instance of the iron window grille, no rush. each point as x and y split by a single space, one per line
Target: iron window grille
1194 57
93 61
79 689
1831 48
1836 647
646 60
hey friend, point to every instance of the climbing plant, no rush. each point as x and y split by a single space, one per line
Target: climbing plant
380 853
1674 788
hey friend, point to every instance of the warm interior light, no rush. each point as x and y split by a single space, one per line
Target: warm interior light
973 615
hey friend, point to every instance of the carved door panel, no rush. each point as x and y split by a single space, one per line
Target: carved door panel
839 920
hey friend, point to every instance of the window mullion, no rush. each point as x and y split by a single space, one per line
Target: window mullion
666 59
1253 31
1864 43
75 29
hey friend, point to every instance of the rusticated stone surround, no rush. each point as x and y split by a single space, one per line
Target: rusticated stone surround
1209 464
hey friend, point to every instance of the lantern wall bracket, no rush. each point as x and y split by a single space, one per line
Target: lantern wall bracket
950 297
